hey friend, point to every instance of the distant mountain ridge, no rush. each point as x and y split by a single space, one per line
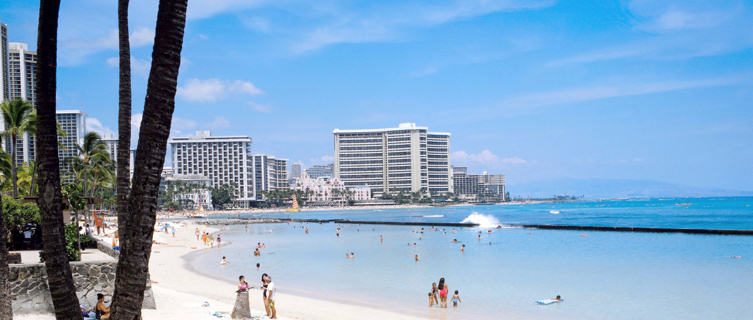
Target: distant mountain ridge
615 188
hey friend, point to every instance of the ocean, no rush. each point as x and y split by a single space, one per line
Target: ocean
600 275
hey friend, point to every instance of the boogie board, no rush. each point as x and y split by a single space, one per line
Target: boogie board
548 301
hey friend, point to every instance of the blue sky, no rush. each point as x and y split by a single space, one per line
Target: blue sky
537 90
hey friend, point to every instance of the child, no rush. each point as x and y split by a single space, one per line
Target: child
431 299
455 299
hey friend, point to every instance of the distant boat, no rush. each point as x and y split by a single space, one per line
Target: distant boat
295 206
554 211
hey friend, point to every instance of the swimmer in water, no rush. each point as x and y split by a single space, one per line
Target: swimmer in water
462 248
456 299
417 258
224 261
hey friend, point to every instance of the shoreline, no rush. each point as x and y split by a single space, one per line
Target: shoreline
183 214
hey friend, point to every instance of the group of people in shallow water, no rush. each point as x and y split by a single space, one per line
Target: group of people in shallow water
242 308
441 290
207 238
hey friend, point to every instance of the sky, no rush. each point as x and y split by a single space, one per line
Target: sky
536 90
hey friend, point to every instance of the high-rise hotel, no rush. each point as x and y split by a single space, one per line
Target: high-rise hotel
407 158
227 160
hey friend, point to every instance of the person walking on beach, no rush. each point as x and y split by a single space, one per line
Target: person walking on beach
455 299
271 297
196 232
242 308
219 240
264 293
442 286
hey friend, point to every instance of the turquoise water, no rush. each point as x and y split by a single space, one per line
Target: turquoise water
601 275
700 213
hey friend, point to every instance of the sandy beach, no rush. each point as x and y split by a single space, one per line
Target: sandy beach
180 292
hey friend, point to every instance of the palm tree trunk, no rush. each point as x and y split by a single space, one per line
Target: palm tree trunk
59 276
14 154
6 308
136 241
33 179
124 116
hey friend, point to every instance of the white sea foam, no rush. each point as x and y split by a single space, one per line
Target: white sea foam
483 220
434 216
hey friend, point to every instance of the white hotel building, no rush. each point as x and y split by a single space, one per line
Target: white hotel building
407 158
222 159
227 160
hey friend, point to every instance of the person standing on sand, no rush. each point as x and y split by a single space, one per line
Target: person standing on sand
264 293
270 297
196 232
219 240
242 308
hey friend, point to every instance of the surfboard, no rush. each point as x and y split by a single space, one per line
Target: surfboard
547 301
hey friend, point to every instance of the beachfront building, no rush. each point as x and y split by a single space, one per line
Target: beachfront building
73 123
190 191
269 174
112 146
317 171
295 170
3 64
224 160
394 159
330 191
478 187
21 72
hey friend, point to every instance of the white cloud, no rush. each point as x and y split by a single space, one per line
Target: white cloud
183 124
390 23
212 90
326 158
141 36
138 66
219 122
614 91
259 107
698 29
77 50
207 8
424 72
93 124
485 158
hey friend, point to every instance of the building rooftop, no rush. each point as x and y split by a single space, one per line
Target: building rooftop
401 126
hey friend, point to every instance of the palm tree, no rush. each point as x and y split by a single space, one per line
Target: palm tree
5 169
6 308
124 115
16 115
136 241
59 278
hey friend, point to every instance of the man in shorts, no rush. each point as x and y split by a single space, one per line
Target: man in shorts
271 296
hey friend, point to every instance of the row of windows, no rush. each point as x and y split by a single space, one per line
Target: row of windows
437 143
398 146
359 155
361 169
438 156
361 176
437 176
342 148
394 139
400 175
342 162
441 169
437 149
379 140
400 168
399 153
437 163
